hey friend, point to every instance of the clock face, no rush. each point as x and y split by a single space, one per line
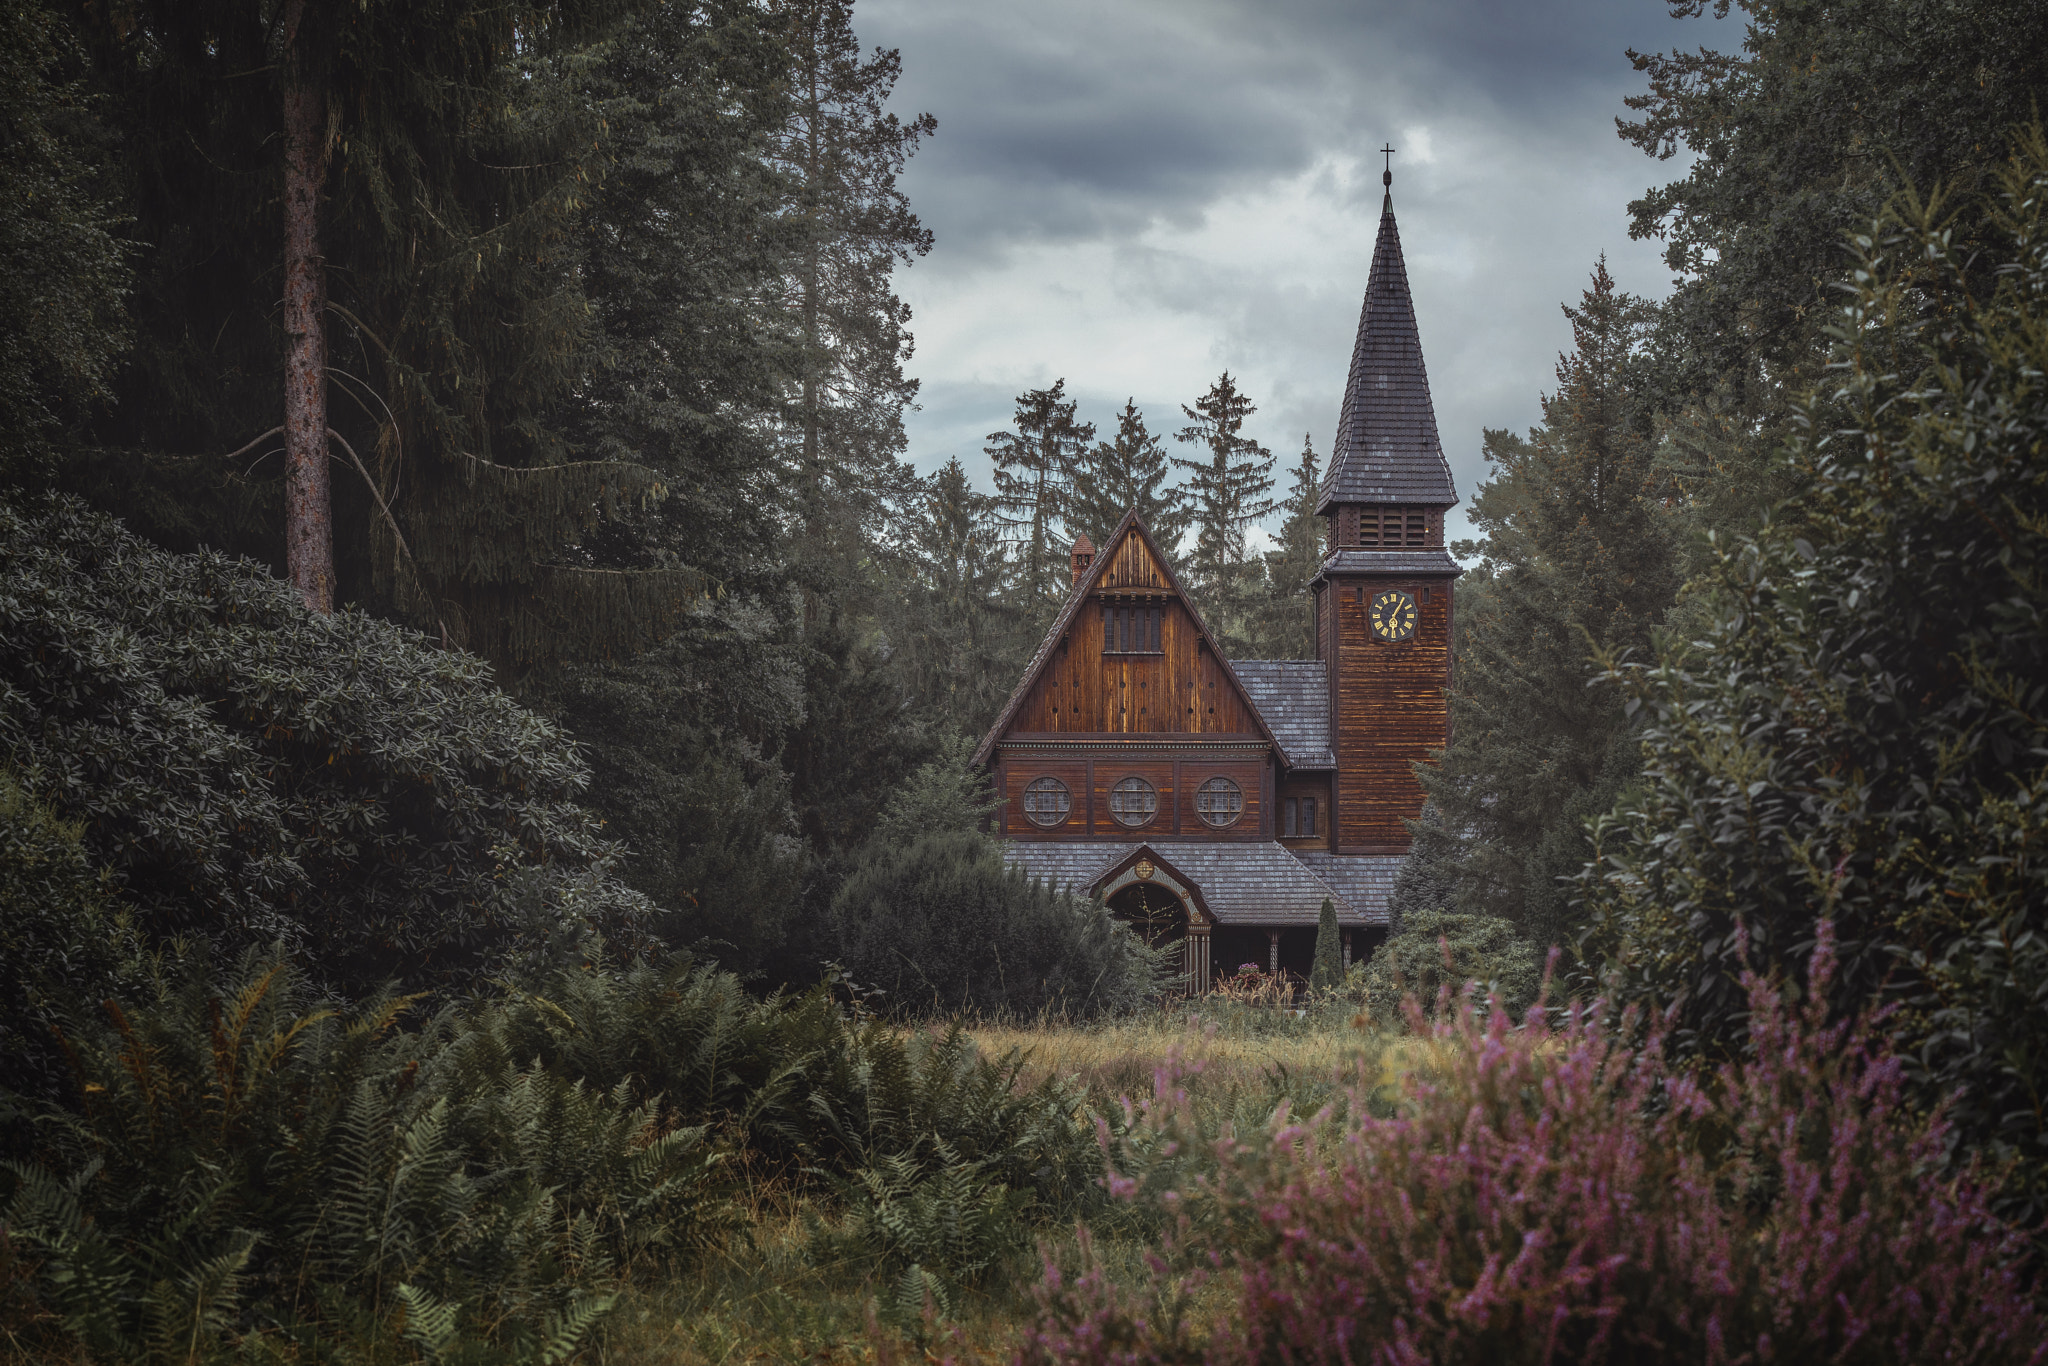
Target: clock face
1393 615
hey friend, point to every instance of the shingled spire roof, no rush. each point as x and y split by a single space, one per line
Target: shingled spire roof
1387 449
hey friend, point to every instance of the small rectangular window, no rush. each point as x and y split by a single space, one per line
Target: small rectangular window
1108 630
1308 816
1287 824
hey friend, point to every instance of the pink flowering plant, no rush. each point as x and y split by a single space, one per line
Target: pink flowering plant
1560 1192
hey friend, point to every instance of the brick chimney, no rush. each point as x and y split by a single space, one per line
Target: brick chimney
1084 555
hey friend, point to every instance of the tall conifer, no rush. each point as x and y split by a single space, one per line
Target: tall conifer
408 177
1578 558
1231 488
1113 477
1034 470
842 152
1282 626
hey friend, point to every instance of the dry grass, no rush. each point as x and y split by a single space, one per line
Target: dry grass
1121 1058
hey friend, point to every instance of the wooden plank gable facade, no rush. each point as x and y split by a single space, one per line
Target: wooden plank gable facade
1129 685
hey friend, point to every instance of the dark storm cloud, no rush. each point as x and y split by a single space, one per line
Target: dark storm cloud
1136 195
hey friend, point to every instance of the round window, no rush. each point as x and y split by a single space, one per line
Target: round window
1133 801
1219 802
1047 801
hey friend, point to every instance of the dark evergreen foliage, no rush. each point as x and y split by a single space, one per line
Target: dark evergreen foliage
1328 971
1113 477
1796 138
1855 730
63 270
1579 560
1229 487
841 152
1034 465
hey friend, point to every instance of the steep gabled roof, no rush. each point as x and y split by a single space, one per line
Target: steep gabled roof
1387 449
1293 695
1133 525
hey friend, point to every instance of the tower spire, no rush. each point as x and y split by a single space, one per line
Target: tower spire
1387 449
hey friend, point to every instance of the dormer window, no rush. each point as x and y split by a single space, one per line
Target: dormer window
1130 629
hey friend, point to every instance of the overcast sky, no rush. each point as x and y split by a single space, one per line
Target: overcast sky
1139 194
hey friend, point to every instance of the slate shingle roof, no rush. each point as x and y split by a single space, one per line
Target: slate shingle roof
1365 881
1294 697
1391 562
1242 884
1387 450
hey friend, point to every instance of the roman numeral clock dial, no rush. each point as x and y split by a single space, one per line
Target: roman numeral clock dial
1393 615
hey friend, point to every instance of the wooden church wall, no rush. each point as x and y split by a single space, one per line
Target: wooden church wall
1180 689
1391 712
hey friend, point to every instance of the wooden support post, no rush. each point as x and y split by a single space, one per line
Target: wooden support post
1273 951
1345 935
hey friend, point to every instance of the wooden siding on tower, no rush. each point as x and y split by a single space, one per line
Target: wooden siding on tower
1391 712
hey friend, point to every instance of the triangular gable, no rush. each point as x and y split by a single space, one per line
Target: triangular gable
1102 569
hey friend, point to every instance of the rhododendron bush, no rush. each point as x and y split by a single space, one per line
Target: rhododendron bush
1566 1195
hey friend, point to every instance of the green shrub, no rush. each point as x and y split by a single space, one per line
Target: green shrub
1855 732
943 925
1435 954
255 772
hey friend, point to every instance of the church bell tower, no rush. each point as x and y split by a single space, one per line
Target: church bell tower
1383 595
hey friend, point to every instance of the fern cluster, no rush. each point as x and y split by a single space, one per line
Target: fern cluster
246 1167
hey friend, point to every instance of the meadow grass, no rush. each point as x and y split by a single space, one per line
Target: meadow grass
765 1294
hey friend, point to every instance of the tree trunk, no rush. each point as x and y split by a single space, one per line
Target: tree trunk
309 510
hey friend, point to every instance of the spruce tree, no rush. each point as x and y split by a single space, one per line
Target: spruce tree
1034 468
409 178
956 640
1282 626
1113 477
842 153
1230 488
1578 561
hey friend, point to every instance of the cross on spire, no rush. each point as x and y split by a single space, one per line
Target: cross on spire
1387 174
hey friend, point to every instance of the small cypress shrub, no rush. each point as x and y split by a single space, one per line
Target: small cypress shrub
1327 974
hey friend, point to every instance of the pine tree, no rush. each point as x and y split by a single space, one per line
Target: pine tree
842 154
956 640
1131 472
1034 468
1283 625
676 247
1229 489
1579 560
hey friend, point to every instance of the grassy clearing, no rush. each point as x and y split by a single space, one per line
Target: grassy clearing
771 1293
